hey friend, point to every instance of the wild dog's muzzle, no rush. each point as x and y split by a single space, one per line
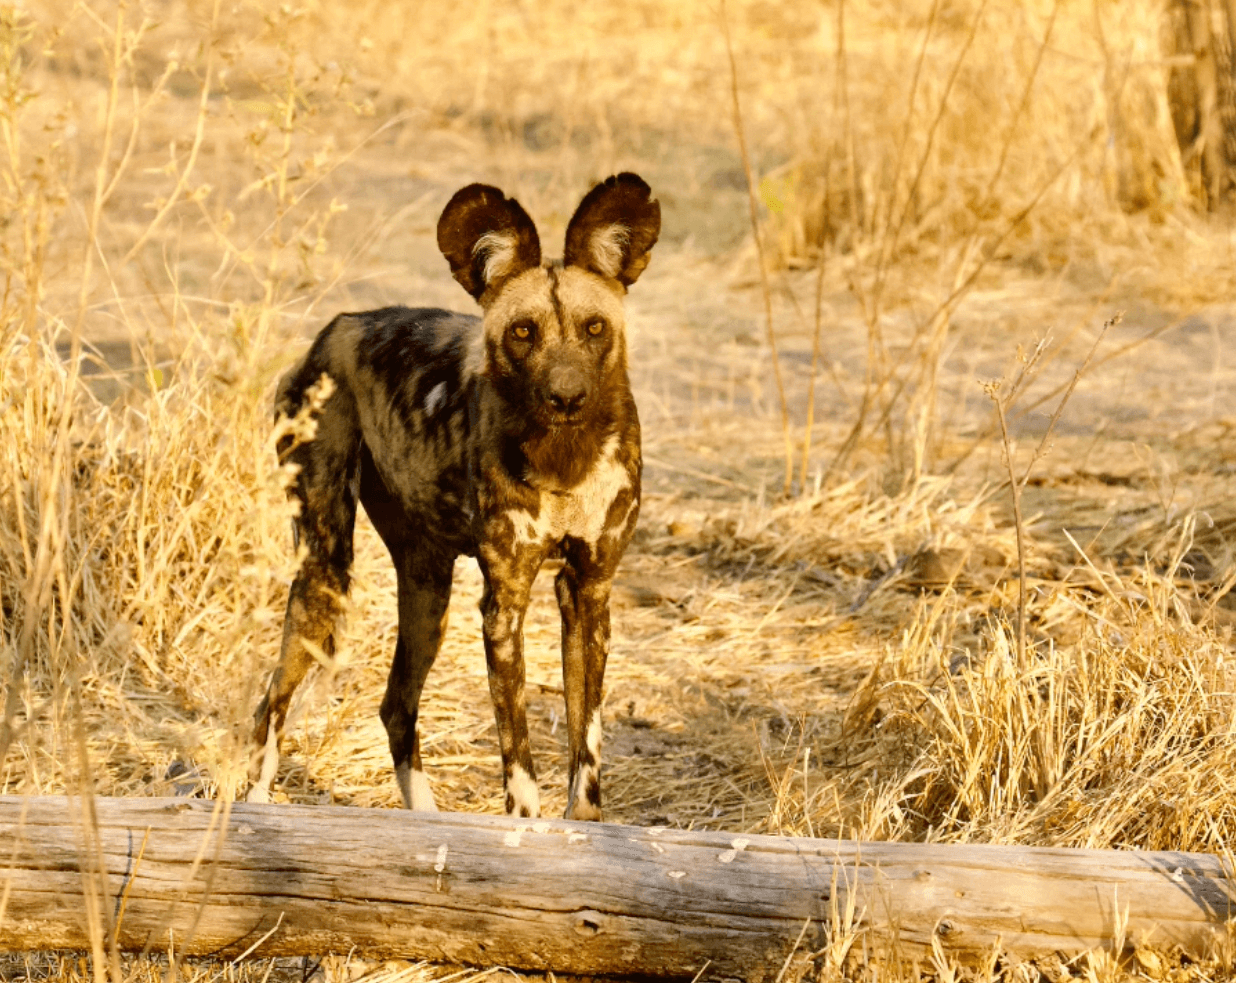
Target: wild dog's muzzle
566 390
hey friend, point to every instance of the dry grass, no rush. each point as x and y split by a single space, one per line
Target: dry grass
190 191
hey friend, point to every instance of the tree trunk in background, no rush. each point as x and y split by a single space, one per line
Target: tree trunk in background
1227 94
1202 95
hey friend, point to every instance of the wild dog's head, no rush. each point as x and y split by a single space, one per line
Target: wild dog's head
554 336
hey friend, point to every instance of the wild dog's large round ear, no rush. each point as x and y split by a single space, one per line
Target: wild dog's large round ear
487 238
614 229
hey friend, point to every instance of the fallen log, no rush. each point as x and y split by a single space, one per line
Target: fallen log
579 898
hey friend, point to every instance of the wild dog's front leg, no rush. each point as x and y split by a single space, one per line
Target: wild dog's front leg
508 583
584 603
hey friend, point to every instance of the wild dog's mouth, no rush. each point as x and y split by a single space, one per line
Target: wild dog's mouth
559 418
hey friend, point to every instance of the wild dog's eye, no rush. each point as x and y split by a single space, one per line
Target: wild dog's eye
595 329
521 331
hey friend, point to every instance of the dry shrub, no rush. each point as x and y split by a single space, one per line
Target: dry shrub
962 114
1122 739
944 140
1116 733
143 542
169 563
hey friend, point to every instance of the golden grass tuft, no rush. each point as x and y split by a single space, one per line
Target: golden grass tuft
1119 740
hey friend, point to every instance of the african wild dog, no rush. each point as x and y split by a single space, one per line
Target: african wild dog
511 438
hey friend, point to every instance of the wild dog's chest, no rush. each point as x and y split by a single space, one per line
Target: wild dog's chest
601 505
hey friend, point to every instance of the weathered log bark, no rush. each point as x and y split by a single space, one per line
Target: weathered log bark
549 894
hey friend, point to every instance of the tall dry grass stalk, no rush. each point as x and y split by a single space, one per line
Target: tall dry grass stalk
766 292
1118 742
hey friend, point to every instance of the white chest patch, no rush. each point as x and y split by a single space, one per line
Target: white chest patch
580 512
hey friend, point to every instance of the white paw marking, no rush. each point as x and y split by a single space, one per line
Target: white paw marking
422 794
593 737
260 792
525 798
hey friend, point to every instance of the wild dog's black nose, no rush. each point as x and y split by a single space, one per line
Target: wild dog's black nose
568 402
566 390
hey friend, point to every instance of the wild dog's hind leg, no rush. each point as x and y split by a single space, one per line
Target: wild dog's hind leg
326 487
583 598
424 594
315 606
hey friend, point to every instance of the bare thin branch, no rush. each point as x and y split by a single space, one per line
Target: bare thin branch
753 205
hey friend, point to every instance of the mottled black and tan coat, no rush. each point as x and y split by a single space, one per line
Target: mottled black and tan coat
511 438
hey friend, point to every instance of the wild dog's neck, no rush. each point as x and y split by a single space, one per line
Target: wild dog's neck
558 458
561 458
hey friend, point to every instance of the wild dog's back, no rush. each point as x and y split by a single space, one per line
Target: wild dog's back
403 378
413 361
